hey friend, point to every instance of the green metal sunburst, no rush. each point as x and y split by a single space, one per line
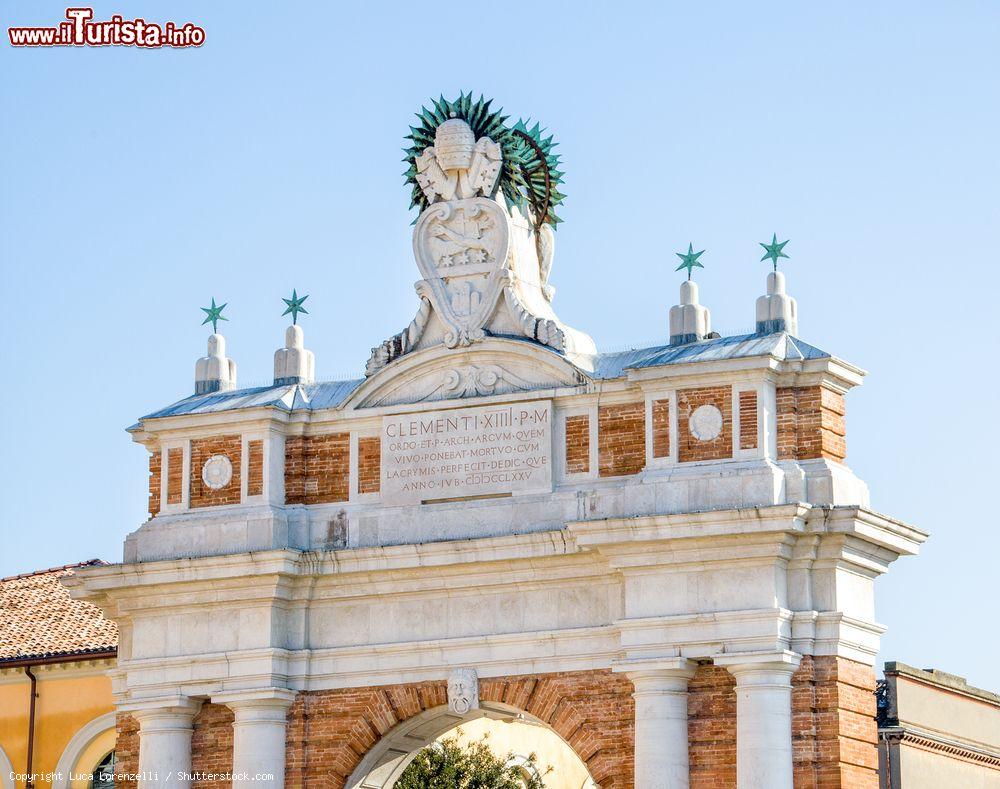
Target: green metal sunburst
214 314
294 306
530 177
773 251
689 260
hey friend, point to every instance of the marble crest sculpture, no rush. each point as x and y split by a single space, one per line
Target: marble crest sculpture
483 241
463 691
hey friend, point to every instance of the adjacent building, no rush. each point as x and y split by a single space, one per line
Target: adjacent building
57 715
935 730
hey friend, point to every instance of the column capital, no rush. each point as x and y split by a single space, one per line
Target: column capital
256 702
657 674
172 711
760 667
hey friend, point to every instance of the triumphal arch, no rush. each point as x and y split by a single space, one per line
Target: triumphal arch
659 556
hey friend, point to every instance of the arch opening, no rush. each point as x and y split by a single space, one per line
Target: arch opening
511 733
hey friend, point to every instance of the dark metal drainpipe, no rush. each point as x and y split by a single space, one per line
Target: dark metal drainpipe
29 782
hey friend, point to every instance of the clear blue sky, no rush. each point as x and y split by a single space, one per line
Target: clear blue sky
138 184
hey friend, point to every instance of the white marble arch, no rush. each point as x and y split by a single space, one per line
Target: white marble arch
6 768
388 758
498 365
77 745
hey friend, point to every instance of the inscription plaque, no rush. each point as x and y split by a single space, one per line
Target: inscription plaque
467 452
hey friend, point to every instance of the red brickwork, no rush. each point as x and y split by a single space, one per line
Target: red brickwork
212 745
661 428
255 468
621 439
578 444
811 423
201 450
330 731
155 468
690 448
175 475
317 468
748 420
126 750
712 728
369 464
834 734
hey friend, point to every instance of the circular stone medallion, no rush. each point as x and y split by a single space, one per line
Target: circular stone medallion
217 472
705 422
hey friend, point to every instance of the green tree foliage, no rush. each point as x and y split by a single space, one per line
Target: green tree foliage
448 765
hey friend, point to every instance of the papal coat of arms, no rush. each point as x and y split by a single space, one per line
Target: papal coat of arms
484 239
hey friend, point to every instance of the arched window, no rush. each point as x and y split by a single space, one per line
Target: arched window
104 773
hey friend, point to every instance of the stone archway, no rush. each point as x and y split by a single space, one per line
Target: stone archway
385 762
342 737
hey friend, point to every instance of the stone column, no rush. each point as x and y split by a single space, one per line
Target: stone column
258 734
165 727
661 720
763 717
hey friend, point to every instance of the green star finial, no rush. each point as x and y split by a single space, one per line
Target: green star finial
689 260
773 251
295 306
214 314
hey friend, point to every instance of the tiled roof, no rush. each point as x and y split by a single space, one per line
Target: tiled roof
38 618
332 394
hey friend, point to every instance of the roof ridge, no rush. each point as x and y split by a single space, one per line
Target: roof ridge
88 563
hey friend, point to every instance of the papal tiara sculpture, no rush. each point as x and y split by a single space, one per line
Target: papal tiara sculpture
484 240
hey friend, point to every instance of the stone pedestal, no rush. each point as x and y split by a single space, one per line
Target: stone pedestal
165 728
763 718
661 720
215 372
777 311
258 735
689 320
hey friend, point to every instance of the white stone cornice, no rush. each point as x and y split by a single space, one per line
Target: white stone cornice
709 523
169 705
636 668
255 697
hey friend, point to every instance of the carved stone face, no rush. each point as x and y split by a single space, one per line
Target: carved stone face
453 145
463 691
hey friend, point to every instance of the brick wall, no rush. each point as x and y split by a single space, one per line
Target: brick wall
155 468
712 728
690 448
369 464
126 750
661 428
175 475
577 444
811 423
748 420
330 731
255 468
212 744
201 450
621 439
834 734
317 468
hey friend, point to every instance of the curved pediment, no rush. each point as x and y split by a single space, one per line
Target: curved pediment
494 366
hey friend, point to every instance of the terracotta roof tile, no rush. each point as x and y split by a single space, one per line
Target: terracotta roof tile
38 618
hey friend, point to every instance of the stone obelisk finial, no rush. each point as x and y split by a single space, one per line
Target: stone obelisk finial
293 364
689 320
214 372
776 311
